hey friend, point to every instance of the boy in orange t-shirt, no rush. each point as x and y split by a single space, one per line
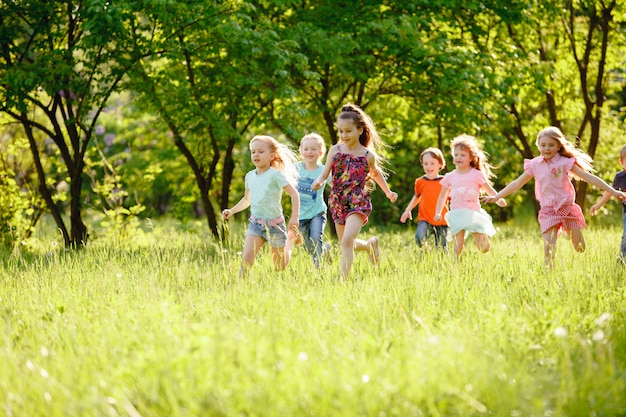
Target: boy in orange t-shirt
427 189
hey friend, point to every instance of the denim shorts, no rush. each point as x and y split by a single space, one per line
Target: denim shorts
276 235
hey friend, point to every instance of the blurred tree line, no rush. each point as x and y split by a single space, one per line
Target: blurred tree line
143 108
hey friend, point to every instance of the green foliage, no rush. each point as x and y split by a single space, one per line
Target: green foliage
20 205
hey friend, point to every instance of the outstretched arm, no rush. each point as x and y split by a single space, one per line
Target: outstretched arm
379 178
295 205
319 181
492 192
443 196
597 181
509 189
243 204
606 196
407 212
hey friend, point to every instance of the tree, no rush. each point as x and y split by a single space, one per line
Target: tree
216 69
60 62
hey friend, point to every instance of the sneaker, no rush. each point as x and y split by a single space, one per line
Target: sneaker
374 252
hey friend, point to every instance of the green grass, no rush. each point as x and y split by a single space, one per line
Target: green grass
161 326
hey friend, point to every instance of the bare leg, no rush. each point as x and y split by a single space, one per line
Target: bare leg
347 234
549 246
578 240
251 248
483 243
459 242
280 258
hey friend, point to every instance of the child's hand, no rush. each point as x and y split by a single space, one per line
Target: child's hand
501 202
406 215
316 185
437 217
594 209
489 199
226 214
392 196
620 194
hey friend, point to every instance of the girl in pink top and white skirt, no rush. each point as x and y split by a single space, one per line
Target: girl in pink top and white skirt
559 160
463 186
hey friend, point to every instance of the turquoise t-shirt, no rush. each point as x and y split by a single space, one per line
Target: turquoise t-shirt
311 201
266 193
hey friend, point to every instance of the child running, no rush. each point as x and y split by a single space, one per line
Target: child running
427 189
353 162
619 183
553 188
275 172
312 205
463 186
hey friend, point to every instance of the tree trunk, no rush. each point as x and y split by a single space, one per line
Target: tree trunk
43 189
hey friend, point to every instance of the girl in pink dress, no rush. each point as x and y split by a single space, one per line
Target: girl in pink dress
559 160
463 186
353 162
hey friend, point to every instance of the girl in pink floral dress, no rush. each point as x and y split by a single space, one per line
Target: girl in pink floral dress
353 162
559 160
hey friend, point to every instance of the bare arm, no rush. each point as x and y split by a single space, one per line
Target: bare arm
243 204
595 180
319 181
509 189
379 178
407 212
606 196
443 197
486 187
295 205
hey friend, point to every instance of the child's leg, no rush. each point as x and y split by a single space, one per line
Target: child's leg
578 240
316 230
421 233
459 242
305 229
251 247
483 243
441 235
549 246
282 256
622 249
349 242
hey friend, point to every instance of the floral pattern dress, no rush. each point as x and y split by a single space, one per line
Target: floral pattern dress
348 193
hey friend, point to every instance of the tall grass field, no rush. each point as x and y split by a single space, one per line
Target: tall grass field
160 325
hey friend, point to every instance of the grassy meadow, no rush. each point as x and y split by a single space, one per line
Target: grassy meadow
159 325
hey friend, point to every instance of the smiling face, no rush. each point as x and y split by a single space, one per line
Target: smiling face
462 158
261 155
348 132
431 165
548 147
310 150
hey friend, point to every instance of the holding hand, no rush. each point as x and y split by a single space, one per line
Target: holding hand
619 194
226 214
406 216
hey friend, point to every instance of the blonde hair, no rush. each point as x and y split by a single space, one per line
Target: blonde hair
317 138
568 149
284 159
478 158
435 153
369 137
